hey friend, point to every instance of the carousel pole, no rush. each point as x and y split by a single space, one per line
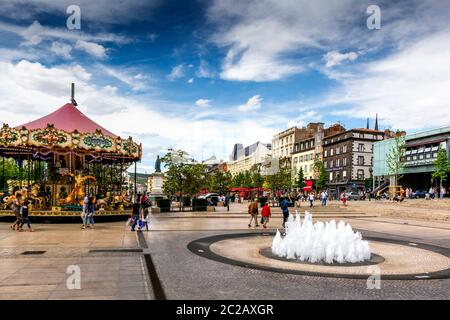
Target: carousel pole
29 170
3 173
135 179
20 170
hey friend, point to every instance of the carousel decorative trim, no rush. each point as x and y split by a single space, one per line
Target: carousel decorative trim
56 138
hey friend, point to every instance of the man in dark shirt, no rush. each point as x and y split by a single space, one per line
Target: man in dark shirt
135 213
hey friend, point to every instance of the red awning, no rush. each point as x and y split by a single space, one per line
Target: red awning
67 118
309 184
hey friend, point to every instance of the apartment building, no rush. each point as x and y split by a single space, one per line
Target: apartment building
243 159
348 158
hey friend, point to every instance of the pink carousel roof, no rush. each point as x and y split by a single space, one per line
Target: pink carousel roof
68 118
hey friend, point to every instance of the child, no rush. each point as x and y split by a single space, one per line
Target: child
265 212
25 219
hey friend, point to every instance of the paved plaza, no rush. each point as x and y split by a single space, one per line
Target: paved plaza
116 263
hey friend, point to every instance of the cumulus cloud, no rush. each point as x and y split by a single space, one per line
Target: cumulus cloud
254 103
92 48
334 58
177 72
202 103
61 49
29 90
408 89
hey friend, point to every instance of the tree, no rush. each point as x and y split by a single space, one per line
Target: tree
441 165
394 159
280 179
219 181
257 178
300 179
184 175
321 174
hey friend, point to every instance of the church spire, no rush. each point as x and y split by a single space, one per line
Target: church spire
367 126
376 122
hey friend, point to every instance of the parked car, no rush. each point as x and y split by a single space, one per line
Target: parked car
419 194
354 196
214 197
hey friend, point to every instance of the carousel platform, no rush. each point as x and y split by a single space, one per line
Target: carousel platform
50 213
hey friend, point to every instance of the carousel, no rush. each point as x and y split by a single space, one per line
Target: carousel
61 158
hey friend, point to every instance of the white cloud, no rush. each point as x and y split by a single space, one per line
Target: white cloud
29 90
36 33
204 70
92 48
136 82
190 81
254 103
334 58
177 72
408 89
262 36
61 49
202 103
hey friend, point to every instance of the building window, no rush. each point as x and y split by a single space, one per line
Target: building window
325 153
311 168
331 176
344 149
344 161
337 150
428 155
331 151
361 147
325 164
344 174
331 164
360 160
338 162
360 174
420 156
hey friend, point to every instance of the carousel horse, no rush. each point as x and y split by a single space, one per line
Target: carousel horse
34 197
122 199
77 194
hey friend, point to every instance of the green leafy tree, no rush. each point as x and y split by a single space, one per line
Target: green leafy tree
279 180
300 179
184 176
219 182
395 162
322 175
442 166
257 178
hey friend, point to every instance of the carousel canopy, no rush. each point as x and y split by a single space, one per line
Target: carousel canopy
67 130
69 119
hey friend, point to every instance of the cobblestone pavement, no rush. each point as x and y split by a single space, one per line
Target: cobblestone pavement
116 272
185 275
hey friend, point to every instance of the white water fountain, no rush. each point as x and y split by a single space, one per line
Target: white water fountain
320 242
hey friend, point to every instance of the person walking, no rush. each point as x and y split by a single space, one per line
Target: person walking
15 206
24 214
311 199
344 198
265 213
135 213
324 198
253 211
285 210
88 220
84 211
442 192
227 202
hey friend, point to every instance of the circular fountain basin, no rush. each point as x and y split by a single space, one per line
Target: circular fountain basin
392 259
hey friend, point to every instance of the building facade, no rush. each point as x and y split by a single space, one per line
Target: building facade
306 151
348 158
420 152
243 159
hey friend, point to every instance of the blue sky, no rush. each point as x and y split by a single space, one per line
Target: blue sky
203 75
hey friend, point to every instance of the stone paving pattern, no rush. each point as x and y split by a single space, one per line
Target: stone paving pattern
184 275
